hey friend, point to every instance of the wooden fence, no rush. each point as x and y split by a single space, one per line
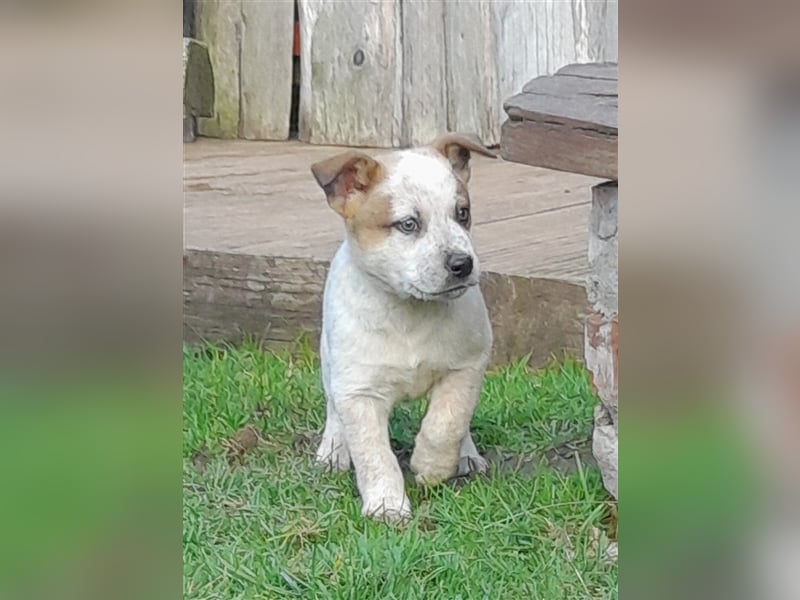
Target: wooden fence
389 73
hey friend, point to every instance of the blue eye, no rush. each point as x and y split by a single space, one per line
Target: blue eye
409 225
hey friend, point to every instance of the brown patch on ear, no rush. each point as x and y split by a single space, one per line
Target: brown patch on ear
345 178
456 148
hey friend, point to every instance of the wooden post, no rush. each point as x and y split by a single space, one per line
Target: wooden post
266 69
218 24
424 114
602 328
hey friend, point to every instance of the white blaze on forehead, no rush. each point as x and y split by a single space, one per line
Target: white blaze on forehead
420 178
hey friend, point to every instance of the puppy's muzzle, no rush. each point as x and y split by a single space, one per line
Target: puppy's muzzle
459 265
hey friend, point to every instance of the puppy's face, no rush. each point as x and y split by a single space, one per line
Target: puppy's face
409 220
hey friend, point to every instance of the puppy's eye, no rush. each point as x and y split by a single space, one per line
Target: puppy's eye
462 214
409 225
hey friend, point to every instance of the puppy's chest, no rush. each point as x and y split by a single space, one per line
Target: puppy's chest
413 369
422 351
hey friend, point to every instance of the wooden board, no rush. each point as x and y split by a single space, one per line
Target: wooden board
600 70
266 69
561 147
567 121
447 66
351 75
472 100
596 112
260 198
424 107
229 296
218 24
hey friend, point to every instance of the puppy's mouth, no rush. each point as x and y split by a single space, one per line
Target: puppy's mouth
450 293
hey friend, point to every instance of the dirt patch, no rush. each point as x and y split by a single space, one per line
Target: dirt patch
200 459
563 459
242 443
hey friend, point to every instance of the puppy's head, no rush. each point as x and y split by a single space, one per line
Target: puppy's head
409 220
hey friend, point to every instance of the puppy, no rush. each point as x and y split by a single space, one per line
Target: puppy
403 316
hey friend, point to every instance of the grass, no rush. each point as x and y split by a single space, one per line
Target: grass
262 521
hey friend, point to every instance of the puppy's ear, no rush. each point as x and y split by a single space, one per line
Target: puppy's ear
456 148
343 175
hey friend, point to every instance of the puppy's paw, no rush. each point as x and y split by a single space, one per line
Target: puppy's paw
472 464
332 456
387 509
431 472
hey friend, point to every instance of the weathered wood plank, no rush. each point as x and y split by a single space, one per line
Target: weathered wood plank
351 77
600 70
596 112
219 26
229 296
566 86
540 317
560 146
472 92
405 90
424 75
567 121
266 69
593 40
610 34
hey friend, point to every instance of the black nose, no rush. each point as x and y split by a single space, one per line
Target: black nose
459 265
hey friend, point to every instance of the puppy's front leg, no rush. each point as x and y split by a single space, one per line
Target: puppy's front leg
446 425
365 422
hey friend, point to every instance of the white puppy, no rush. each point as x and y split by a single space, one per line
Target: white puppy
403 316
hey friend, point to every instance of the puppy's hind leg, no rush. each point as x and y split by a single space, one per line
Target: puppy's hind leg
469 461
333 453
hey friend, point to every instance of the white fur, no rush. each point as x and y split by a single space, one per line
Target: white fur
388 333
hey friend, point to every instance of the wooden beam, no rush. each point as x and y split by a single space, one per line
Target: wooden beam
560 146
266 69
567 121
228 296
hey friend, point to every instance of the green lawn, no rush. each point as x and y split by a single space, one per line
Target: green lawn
260 520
